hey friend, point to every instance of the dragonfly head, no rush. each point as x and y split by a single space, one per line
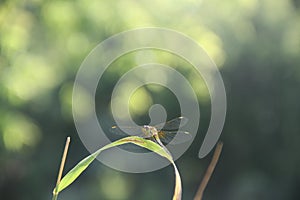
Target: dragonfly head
149 131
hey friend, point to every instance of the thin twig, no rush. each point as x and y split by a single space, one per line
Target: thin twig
209 171
62 164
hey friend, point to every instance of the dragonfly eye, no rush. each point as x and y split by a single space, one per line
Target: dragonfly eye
147 128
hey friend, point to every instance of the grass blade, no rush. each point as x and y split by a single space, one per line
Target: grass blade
74 173
178 188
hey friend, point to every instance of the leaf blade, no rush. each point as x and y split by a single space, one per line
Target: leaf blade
75 172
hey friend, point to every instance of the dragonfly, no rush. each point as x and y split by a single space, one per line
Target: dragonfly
166 132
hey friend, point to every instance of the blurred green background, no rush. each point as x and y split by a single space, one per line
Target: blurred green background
255 44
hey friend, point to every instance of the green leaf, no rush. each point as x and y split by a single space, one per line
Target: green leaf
73 174
178 187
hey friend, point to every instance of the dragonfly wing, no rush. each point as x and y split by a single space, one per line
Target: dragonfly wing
126 130
173 124
175 137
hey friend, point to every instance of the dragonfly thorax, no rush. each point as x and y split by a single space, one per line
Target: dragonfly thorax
149 131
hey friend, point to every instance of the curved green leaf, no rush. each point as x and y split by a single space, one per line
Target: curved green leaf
74 173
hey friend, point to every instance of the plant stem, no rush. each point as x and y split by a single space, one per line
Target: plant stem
54 197
62 164
209 171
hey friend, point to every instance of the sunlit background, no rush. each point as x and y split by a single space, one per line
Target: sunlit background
255 44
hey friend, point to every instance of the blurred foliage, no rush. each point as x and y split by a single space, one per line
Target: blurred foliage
256 45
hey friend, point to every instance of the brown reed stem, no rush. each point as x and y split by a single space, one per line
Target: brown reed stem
209 172
63 160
